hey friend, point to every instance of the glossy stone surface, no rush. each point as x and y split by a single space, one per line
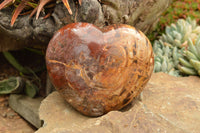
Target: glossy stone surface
99 70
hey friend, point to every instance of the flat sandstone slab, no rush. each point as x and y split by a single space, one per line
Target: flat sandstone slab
27 107
11 122
167 104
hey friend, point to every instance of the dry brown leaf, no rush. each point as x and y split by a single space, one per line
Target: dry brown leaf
38 9
40 6
67 6
80 1
20 7
5 3
33 12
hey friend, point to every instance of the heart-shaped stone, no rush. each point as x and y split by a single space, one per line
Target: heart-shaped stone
97 71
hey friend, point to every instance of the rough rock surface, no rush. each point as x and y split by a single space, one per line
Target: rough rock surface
30 32
167 104
27 107
10 121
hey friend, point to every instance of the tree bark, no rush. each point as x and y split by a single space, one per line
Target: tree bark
29 32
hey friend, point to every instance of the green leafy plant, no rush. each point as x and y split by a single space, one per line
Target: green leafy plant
28 82
18 85
179 9
11 85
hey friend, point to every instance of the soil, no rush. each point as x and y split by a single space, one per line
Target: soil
11 122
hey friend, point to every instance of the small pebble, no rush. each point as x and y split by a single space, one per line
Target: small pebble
4 115
10 115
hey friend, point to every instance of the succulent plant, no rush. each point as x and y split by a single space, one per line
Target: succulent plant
166 58
171 45
190 62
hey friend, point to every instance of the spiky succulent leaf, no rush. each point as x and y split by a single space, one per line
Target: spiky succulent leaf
191 47
185 62
191 57
187 70
197 45
195 64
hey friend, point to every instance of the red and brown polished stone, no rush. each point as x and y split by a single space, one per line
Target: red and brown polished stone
99 70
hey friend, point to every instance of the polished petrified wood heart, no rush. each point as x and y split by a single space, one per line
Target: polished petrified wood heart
97 71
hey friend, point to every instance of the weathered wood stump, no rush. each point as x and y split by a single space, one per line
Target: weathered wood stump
143 14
